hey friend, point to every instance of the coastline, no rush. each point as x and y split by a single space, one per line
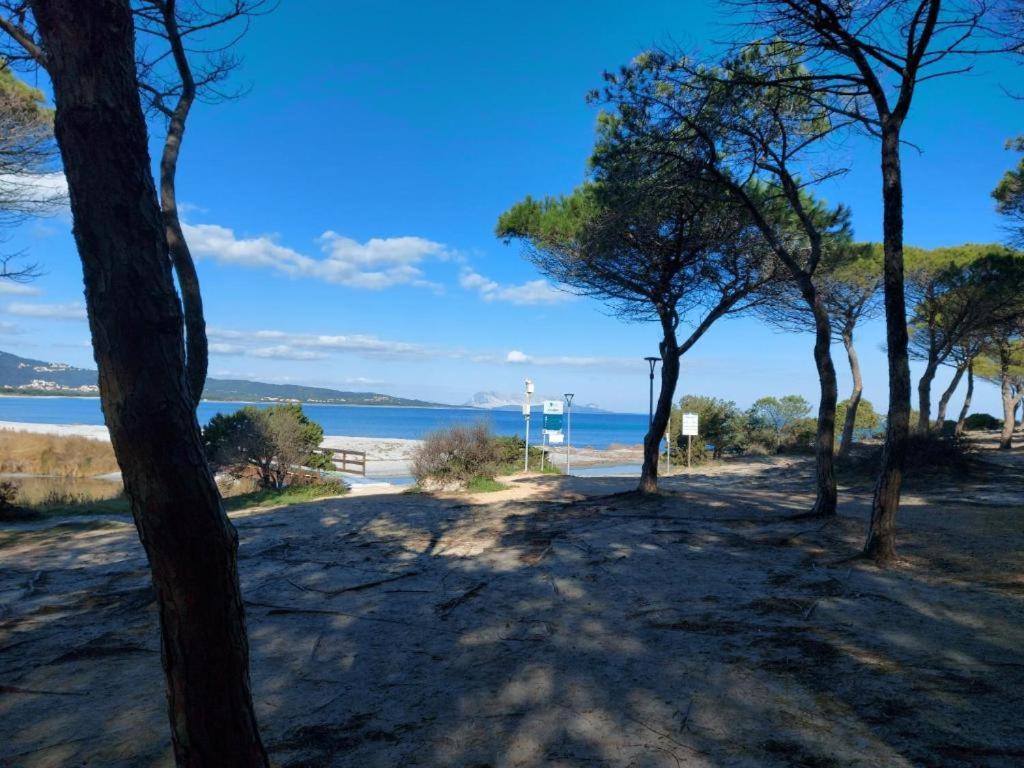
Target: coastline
386 456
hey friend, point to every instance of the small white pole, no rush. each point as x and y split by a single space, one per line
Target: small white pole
526 414
668 445
568 433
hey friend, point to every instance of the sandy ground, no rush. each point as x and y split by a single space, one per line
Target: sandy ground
559 623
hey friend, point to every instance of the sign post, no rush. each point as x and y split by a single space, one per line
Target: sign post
690 428
568 432
526 415
552 423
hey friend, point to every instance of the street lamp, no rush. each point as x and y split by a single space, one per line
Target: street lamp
652 361
568 431
526 415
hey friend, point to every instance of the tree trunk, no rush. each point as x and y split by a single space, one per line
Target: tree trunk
881 539
196 345
652 440
1009 406
858 388
962 419
825 503
924 395
940 414
136 326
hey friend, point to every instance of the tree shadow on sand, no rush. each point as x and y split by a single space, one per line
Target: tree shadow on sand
699 627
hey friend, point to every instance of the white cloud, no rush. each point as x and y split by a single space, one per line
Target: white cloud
377 263
530 292
285 352
305 346
75 311
18 289
517 357
283 345
9 328
36 194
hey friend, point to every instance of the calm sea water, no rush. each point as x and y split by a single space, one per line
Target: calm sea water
595 430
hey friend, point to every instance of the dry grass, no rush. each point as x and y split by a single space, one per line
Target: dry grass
70 456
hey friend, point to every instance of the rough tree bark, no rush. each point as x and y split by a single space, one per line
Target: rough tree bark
136 326
962 419
881 539
1010 401
669 348
924 395
1009 406
197 350
940 414
858 389
824 446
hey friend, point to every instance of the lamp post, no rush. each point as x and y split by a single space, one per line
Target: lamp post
652 361
568 431
526 415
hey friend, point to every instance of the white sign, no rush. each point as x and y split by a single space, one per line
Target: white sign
552 407
556 438
690 424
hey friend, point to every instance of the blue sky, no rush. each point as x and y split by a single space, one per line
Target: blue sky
342 212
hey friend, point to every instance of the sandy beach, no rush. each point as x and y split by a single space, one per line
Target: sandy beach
385 456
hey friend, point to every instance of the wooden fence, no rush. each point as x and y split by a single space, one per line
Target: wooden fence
353 462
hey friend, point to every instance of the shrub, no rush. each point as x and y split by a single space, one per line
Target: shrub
270 440
798 436
8 493
927 454
867 421
458 455
719 423
510 461
982 421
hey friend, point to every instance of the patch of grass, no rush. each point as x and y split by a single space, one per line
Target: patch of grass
293 494
70 456
485 485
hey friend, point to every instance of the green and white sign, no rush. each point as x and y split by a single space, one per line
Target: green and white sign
553 417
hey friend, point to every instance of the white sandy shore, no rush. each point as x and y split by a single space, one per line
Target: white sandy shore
385 456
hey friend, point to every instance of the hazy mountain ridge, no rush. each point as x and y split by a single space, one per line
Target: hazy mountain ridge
495 401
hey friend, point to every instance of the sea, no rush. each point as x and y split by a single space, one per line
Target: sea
589 430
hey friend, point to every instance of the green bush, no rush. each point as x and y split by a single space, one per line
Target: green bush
867 420
510 448
928 453
458 455
982 421
798 436
273 441
720 422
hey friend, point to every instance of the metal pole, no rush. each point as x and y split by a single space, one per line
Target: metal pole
526 414
568 433
526 457
689 442
543 453
652 361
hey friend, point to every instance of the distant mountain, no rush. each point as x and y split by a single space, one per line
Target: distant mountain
20 375
498 402
240 389
23 373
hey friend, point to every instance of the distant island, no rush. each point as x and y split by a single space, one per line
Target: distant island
23 376
494 401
